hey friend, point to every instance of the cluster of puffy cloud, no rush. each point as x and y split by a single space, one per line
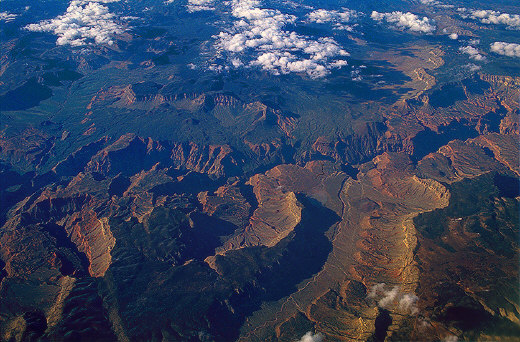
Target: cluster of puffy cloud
85 22
200 5
506 49
406 302
337 18
309 337
473 53
7 17
492 17
406 20
258 36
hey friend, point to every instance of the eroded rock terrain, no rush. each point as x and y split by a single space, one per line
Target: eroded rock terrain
404 229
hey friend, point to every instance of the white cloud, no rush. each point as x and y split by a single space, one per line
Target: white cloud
7 17
258 39
493 17
376 289
356 75
200 5
450 338
408 20
454 36
309 337
473 53
322 16
472 67
294 4
435 3
389 297
85 22
406 302
506 49
285 62
337 18
429 2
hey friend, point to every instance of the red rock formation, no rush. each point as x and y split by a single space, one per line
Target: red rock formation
278 213
130 154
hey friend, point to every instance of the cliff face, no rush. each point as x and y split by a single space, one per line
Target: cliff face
277 214
130 154
367 141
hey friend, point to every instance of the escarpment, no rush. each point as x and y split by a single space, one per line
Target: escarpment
130 153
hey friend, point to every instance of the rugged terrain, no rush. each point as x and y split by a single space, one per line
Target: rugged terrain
405 229
199 170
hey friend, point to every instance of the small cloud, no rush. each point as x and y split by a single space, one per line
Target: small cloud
338 19
356 75
309 337
237 63
294 4
506 49
375 290
406 302
322 16
472 52
7 17
450 338
435 3
389 297
85 22
200 5
454 36
430 2
472 67
408 21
